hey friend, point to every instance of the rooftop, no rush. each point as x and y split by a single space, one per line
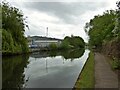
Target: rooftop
42 38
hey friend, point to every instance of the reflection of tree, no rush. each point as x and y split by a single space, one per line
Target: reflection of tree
72 54
67 54
53 53
12 71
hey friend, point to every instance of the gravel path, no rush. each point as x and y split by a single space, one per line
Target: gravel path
104 76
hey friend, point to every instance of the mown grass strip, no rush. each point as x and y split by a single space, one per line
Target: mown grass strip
86 78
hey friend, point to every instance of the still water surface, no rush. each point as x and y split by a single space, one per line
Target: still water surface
43 69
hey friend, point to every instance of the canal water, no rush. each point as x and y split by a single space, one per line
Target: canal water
43 69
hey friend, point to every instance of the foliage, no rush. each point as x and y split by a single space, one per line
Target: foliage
105 29
117 25
72 42
7 41
65 45
101 28
115 63
13 27
53 46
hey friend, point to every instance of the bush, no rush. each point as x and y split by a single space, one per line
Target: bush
115 63
53 46
64 45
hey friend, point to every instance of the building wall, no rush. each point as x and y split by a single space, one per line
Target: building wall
44 43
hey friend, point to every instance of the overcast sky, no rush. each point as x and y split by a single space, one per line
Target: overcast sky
62 18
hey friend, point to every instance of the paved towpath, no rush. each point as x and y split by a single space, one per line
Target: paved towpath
104 76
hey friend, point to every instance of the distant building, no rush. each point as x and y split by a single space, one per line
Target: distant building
38 41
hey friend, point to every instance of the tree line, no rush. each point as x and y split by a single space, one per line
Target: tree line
104 32
103 28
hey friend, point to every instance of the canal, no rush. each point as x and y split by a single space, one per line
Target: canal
43 69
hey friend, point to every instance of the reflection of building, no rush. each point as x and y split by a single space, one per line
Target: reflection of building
40 54
37 41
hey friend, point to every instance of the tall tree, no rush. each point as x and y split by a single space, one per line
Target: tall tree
100 28
13 28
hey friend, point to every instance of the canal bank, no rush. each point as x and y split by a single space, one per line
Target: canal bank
86 77
31 50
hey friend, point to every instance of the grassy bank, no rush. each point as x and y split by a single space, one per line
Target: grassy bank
86 78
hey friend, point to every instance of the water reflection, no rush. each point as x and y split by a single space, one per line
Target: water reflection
55 69
67 54
12 71
72 54
42 69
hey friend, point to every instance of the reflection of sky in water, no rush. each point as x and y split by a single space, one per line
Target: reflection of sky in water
39 68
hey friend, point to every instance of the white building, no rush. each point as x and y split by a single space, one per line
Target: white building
37 41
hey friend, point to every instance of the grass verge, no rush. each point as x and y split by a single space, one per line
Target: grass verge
86 78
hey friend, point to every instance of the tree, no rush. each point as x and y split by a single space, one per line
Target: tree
100 28
13 28
117 26
73 42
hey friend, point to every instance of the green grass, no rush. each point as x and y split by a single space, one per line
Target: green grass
86 78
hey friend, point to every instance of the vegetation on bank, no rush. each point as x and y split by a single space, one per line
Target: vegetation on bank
104 32
101 28
114 62
86 78
73 42
13 28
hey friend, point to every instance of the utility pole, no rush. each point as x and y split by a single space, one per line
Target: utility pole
47 32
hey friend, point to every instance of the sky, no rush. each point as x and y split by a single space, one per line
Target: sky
63 18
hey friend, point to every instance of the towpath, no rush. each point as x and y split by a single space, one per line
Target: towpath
104 76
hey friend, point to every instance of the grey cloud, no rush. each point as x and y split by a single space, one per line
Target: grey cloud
64 11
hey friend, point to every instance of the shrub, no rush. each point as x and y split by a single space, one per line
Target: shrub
53 46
